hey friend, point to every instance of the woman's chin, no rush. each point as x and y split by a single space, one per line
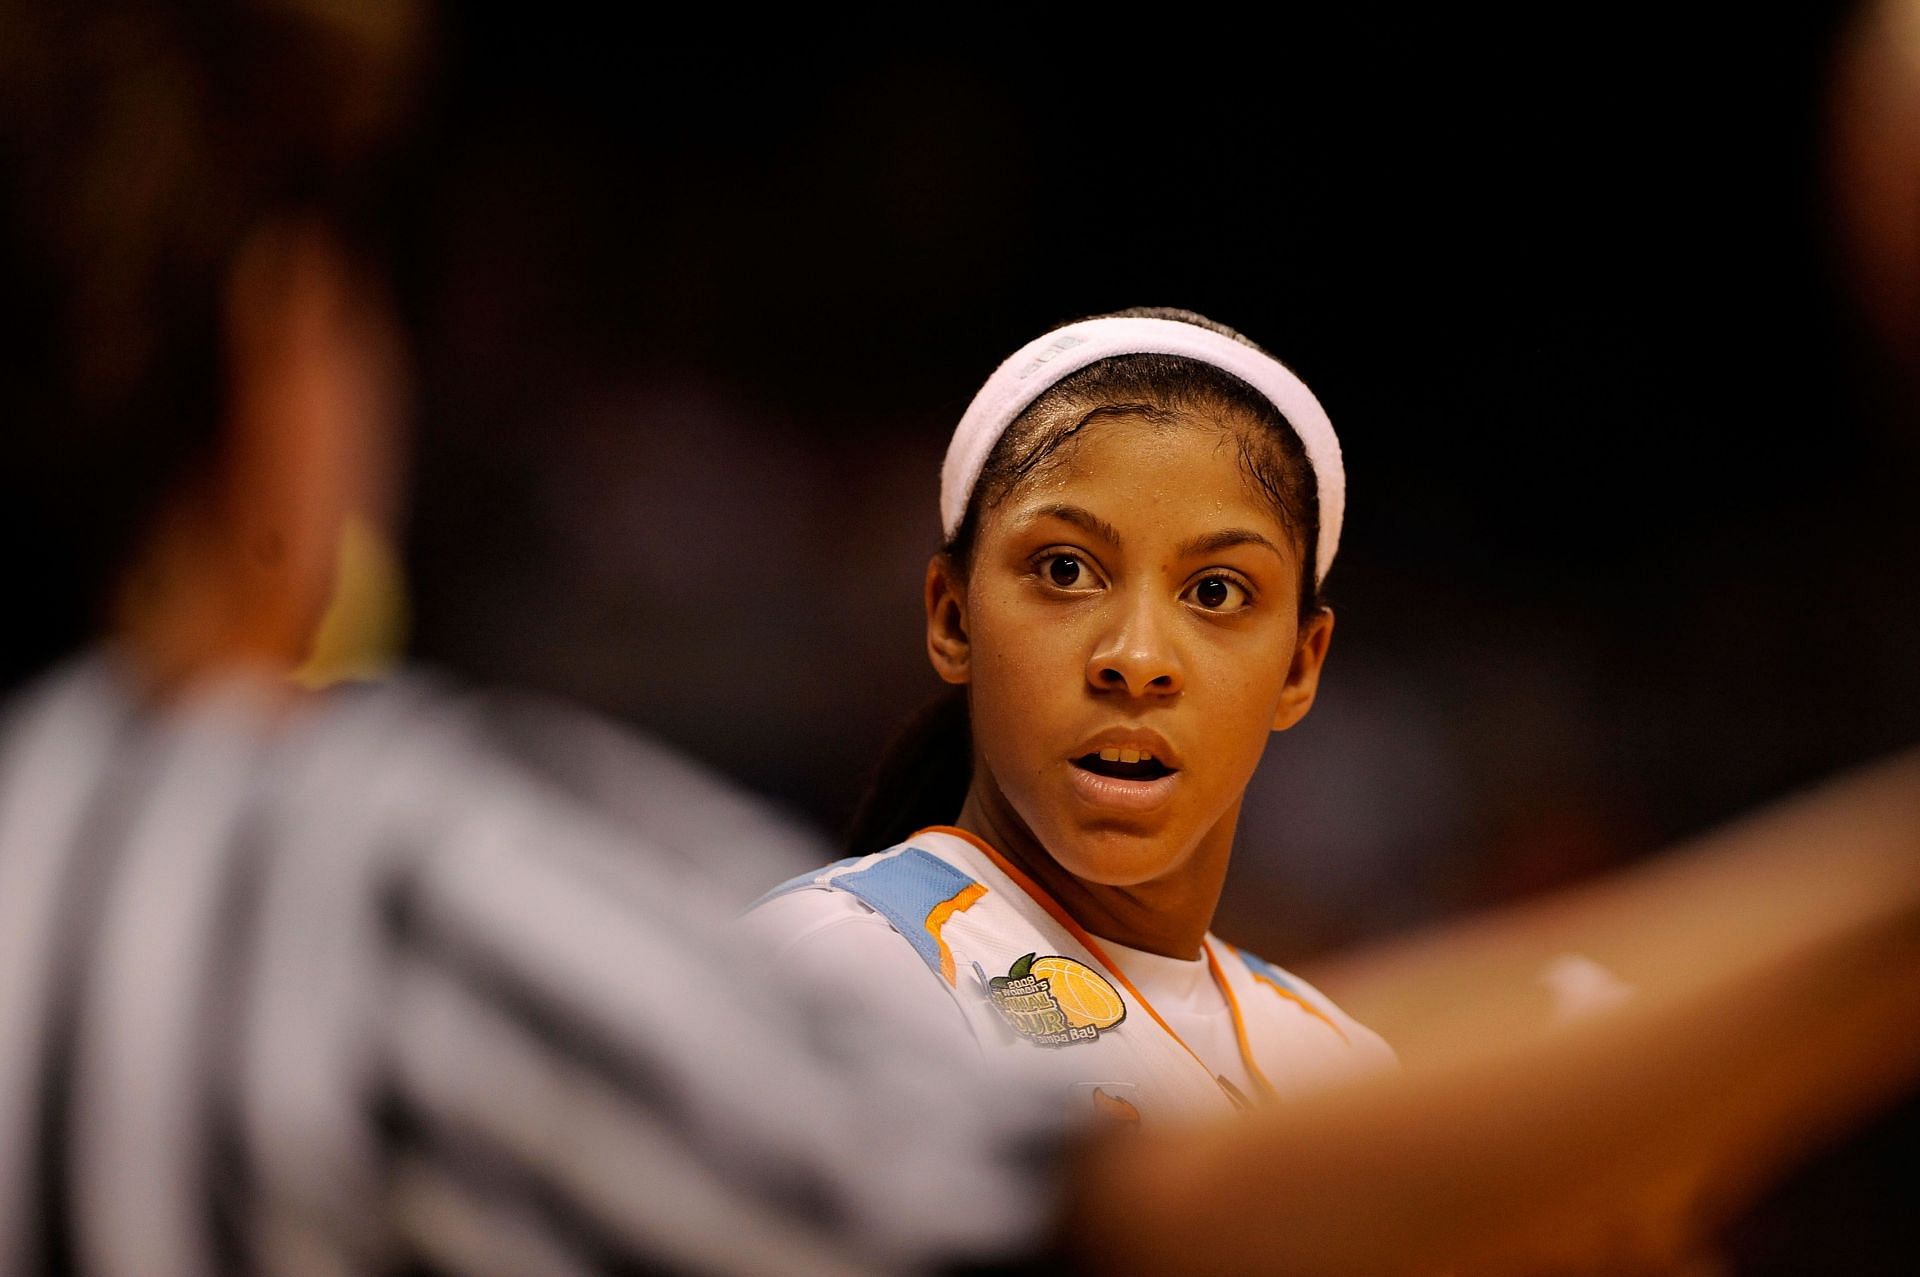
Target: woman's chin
1118 856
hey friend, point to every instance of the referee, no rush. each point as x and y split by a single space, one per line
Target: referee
326 983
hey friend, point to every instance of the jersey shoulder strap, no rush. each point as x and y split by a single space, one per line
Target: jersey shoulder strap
1264 970
913 889
1289 987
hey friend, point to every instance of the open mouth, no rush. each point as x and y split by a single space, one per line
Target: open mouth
1123 764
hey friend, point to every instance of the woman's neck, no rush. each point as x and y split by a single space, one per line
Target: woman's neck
1168 915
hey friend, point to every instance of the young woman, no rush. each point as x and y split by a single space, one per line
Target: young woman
1139 510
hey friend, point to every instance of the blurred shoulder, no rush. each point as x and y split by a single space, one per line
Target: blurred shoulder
680 808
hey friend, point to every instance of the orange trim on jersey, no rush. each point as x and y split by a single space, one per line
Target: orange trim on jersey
960 902
1065 919
1239 1024
1295 998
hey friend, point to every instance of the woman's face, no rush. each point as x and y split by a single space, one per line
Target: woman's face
1132 638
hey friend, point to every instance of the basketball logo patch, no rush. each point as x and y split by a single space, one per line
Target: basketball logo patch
1055 1000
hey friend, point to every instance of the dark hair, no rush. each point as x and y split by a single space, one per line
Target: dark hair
924 774
140 145
922 778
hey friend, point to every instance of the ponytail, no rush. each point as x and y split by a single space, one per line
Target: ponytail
922 778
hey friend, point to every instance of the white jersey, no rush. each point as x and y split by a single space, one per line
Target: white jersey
993 961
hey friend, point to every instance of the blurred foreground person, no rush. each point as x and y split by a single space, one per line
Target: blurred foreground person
328 982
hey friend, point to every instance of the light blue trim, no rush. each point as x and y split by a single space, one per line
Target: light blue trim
904 889
1260 966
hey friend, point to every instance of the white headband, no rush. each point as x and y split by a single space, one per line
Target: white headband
1048 359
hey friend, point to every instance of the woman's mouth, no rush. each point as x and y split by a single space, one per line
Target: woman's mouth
1122 779
1123 764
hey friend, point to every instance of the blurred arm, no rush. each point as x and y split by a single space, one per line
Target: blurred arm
1803 871
1777 968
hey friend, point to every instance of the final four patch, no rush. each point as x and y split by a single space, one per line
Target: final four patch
1055 1000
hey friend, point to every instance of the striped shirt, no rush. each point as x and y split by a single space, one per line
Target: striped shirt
357 993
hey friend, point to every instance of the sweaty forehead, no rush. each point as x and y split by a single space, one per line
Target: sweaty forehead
1173 474
1150 429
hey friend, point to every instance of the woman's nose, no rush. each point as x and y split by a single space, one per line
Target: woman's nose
1138 656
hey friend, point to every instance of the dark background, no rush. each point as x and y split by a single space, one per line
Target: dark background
1629 547
1631 424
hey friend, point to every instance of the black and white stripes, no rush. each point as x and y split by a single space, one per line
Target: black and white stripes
352 993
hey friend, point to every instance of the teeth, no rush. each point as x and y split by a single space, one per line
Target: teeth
1114 754
1109 755
1129 755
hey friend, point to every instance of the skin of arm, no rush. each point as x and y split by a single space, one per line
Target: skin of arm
1776 964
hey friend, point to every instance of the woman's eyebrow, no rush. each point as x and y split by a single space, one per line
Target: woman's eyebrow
1209 542
1085 519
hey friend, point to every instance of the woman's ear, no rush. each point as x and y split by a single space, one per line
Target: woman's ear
1303 675
947 644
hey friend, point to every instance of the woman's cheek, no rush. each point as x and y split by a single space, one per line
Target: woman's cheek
1002 704
1241 722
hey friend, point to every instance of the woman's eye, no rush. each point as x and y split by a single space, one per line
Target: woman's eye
1064 571
1220 594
